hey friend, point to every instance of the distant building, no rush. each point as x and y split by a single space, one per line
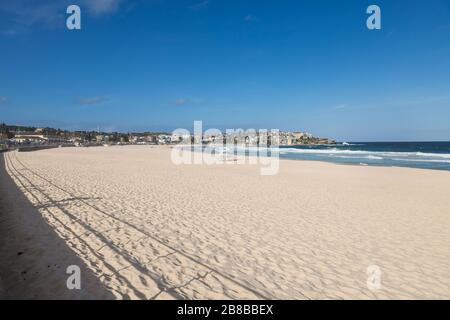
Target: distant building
163 139
30 136
299 135
151 138
176 138
290 140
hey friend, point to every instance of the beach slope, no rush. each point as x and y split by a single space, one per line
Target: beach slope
145 228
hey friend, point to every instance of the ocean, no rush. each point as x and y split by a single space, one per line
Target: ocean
426 155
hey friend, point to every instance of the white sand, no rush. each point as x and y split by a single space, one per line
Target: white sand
149 229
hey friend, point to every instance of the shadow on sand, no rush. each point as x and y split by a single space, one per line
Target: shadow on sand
33 258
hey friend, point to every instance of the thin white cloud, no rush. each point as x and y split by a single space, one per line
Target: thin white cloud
20 15
200 5
88 101
249 18
420 100
97 7
3 99
181 102
9 32
28 12
340 107
188 101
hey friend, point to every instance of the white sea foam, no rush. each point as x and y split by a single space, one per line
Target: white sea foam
356 155
380 154
372 157
438 155
424 160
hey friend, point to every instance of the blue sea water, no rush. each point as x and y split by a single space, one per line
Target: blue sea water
427 155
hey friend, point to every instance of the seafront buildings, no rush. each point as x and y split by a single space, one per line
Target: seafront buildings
15 135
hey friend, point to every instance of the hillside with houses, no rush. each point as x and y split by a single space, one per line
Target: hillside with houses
13 135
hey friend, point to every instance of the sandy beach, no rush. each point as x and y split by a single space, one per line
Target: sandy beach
141 227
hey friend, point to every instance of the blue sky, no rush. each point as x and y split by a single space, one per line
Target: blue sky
293 65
